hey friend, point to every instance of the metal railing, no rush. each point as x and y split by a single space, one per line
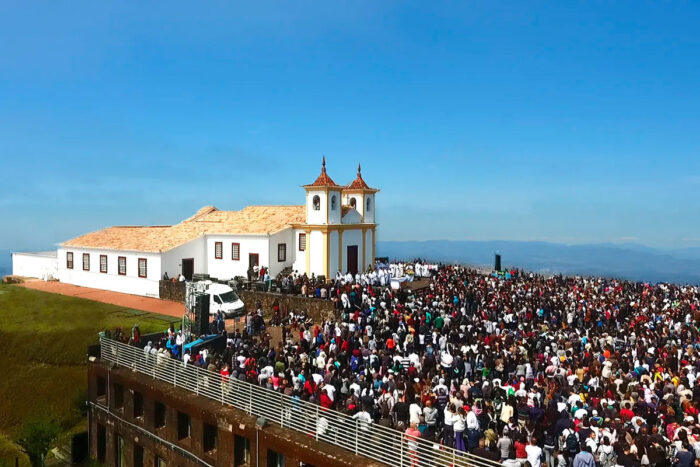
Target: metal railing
374 441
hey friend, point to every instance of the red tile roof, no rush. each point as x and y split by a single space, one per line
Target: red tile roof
359 183
323 179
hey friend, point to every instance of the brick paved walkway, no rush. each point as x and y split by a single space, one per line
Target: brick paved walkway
137 302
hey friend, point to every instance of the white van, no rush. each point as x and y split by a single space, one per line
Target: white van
223 298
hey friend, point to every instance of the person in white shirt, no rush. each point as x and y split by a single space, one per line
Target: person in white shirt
534 453
415 411
365 420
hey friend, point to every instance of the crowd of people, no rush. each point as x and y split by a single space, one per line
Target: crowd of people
524 370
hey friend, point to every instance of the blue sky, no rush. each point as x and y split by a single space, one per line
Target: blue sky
574 122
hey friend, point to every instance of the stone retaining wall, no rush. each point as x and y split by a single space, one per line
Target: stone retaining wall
169 290
318 309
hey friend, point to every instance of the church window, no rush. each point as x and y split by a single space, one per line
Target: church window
218 250
317 203
121 265
353 202
368 204
235 251
302 242
143 269
282 252
69 260
333 201
103 264
86 261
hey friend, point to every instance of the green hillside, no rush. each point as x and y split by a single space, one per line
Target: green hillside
43 372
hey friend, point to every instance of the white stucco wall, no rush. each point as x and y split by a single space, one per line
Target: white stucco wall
171 261
130 283
287 237
299 263
316 217
315 242
334 215
40 265
227 268
369 261
369 214
333 239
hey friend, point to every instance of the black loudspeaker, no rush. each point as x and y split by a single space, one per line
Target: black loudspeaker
497 262
201 315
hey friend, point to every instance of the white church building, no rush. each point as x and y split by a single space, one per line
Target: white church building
334 230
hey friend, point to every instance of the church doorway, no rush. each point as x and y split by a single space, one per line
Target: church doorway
253 260
352 259
188 268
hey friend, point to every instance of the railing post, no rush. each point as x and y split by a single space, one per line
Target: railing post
196 378
174 372
250 399
401 449
282 412
317 421
357 434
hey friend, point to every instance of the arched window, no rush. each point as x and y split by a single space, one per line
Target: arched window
353 202
317 203
368 204
333 201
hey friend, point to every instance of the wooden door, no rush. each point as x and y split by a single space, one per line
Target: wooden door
252 260
188 268
352 259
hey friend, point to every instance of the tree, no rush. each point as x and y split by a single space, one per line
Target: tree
36 437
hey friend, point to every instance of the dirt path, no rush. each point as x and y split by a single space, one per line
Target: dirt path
137 302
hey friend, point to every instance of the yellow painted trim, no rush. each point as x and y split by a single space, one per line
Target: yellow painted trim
326 248
364 258
360 190
308 252
374 246
340 251
332 227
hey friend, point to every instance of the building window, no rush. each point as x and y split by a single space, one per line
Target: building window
158 415
103 264
317 203
209 441
86 261
333 202
138 405
101 443
118 396
119 451
282 252
183 426
302 242
274 459
143 267
241 450
159 462
368 204
138 455
69 260
235 251
101 389
121 265
353 202
218 250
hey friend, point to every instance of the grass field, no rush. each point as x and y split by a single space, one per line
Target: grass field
43 369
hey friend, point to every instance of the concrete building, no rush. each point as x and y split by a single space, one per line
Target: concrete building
335 230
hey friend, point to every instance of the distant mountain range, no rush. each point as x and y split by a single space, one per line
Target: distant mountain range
626 261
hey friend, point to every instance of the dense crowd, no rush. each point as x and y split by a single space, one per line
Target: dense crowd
527 370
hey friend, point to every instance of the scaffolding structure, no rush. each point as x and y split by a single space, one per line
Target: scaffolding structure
192 291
